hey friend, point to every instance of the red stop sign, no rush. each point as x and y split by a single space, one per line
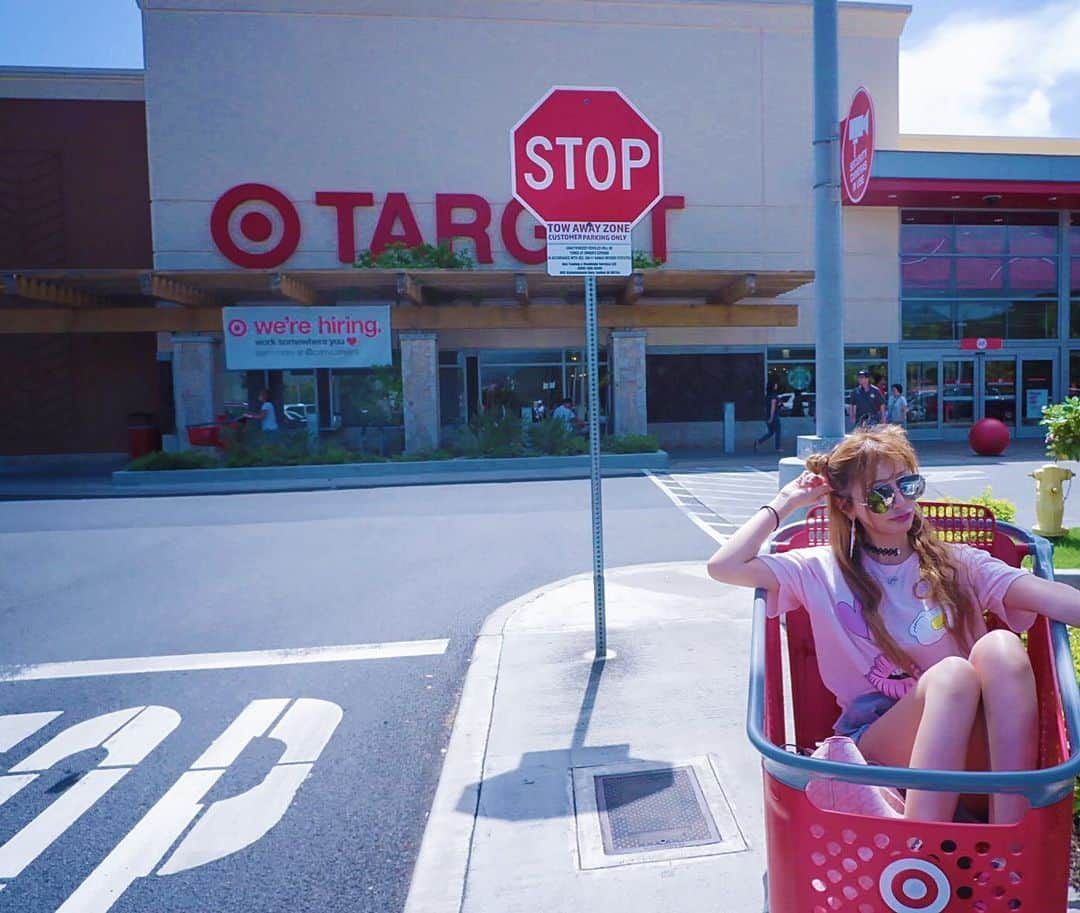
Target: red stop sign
584 154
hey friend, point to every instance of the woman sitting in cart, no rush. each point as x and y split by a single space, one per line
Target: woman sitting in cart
897 617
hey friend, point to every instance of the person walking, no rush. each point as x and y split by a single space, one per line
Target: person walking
772 416
266 416
896 408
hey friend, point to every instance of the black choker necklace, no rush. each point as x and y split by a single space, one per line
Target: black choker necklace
891 552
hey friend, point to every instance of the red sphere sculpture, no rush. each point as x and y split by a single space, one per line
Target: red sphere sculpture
989 437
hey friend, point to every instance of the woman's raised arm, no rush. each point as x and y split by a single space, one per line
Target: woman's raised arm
736 560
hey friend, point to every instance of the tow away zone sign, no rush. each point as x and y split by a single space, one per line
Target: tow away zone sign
589 249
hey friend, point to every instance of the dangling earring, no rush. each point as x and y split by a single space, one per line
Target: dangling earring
851 545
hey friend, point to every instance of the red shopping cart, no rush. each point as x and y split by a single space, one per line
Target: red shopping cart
826 861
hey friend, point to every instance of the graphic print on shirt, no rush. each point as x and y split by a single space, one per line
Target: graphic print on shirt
928 627
884 674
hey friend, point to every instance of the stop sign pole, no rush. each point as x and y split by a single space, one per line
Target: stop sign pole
587 164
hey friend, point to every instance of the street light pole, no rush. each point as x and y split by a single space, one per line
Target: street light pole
828 236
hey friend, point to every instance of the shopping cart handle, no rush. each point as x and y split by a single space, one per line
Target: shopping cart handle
1041 787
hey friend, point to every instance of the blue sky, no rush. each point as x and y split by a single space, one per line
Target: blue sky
1006 67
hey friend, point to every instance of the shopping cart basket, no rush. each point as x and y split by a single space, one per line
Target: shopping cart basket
825 861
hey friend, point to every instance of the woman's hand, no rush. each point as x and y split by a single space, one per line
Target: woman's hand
804 490
736 560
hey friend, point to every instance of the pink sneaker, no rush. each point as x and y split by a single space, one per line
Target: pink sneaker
855 798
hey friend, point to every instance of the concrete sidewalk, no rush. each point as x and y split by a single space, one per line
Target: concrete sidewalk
514 826
510 831
71 483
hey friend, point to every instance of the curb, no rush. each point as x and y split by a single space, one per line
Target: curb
359 473
442 863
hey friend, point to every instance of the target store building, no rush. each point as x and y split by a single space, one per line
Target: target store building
269 147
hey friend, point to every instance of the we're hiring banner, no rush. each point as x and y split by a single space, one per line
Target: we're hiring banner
270 338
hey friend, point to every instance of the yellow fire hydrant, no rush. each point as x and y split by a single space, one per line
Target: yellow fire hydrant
1050 499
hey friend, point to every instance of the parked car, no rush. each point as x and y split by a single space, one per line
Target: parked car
298 412
787 403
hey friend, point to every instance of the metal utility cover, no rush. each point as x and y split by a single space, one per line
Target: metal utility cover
653 809
650 812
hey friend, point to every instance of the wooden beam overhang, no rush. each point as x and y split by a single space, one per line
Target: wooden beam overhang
122 300
521 288
51 292
294 289
633 290
409 289
165 289
427 317
737 289
557 316
110 320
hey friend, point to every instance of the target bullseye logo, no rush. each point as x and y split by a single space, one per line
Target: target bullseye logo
238 327
914 886
255 226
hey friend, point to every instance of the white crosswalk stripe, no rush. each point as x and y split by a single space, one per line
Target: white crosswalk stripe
716 502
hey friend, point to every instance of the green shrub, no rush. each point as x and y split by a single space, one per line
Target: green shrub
576 446
629 443
1062 423
183 459
550 436
493 433
1003 508
423 256
641 259
291 447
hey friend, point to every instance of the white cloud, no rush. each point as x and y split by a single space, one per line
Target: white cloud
990 75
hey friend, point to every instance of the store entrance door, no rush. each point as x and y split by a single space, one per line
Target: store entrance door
947 393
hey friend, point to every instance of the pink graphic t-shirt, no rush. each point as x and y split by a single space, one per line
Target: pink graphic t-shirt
850 664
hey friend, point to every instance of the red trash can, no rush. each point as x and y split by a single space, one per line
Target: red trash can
144 436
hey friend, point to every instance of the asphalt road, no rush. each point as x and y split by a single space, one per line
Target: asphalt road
327 815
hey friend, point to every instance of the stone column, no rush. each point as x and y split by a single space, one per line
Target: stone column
420 389
627 357
195 387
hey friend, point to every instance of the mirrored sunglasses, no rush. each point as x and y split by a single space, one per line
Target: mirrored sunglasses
881 497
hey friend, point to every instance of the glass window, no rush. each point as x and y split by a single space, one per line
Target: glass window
950 257
791 353
1037 378
793 368
519 386
999 389
872 352
958 391
981 239
522 357
922 393
981 318
234 392
1033 319
368 397
694 387
451 389
1074 373
298 398
926 319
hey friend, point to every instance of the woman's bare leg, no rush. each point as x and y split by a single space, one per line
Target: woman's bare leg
929 728
1010 709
